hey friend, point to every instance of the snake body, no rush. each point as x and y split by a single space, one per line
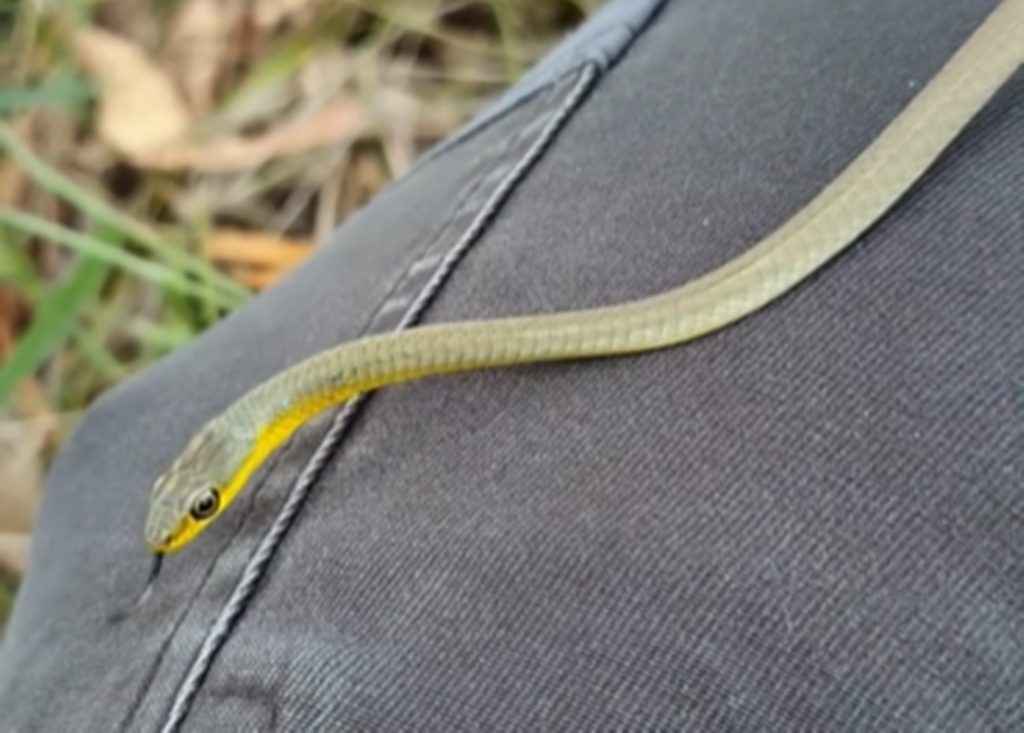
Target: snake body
223 456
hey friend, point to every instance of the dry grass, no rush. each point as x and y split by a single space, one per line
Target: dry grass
160 160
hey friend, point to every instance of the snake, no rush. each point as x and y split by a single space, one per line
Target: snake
224 454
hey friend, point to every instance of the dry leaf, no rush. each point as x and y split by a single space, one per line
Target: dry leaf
326 218
255 259
325 75
21 470
257 279
13 552
235 246
12 178
430 120
12 183
271 13
331 124
139 110
198 48
363 177
11 316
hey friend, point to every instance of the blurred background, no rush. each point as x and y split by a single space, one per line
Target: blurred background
161 161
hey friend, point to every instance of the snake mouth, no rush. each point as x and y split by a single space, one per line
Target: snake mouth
164 541
159 539
163 546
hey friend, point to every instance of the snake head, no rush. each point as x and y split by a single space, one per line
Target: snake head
187 497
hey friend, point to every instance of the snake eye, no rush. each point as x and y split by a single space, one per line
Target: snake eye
205 504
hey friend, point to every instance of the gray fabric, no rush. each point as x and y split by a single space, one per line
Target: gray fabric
403 308
599 42
809 521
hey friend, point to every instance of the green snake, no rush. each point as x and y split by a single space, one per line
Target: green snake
222 457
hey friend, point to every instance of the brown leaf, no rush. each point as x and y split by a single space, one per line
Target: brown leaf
235 246
198 47
13 552
325 75
255 259
139 110
363 178
257 279
335 122
12 183
403 120
270 13
21 470
12 178
12 313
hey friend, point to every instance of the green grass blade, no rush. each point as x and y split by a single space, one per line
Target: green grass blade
86 245
94 352
504 19
98 210
55 316
16 267
63 90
